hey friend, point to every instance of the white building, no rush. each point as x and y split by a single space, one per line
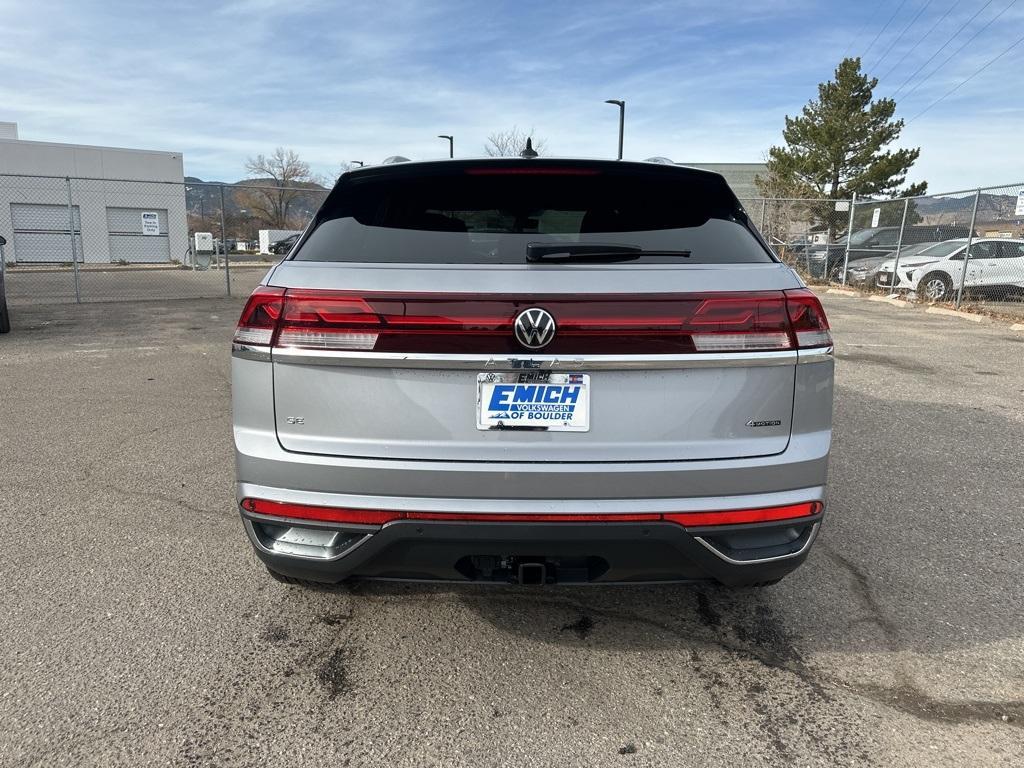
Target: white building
128 205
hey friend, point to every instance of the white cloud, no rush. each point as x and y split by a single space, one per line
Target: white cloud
704 81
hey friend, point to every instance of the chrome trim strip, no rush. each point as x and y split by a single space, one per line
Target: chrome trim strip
731 561
248 352
817 355
527 361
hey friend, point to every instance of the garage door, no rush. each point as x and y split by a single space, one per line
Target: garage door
41 233
131 240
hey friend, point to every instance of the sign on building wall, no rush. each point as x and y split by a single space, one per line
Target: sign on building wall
150 223
1019 210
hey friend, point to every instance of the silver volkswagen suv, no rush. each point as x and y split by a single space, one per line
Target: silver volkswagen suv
532 371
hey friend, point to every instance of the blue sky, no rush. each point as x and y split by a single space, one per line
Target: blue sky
703 81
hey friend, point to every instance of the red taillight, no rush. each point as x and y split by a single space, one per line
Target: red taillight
470 323
259 318
630 324
810 326
380 517
744 323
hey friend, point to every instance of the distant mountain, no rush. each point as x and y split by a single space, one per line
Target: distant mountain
990 207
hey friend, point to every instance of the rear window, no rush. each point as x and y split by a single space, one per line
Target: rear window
481 214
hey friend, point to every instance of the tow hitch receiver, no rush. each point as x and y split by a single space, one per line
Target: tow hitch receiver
532 574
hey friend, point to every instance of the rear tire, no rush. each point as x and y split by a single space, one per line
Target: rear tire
935 286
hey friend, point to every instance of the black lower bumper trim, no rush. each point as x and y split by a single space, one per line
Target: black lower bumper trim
566 553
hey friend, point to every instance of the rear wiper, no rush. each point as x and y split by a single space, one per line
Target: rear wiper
600 252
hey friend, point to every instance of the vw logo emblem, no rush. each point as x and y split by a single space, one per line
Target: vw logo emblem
534 328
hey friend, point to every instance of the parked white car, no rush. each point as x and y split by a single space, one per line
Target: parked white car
996 264
865 271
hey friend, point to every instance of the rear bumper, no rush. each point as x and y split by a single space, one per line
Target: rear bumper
573 553
627 552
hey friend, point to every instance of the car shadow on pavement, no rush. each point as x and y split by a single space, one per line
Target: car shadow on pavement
916 553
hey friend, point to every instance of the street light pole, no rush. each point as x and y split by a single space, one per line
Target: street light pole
451 144
622 119
357 162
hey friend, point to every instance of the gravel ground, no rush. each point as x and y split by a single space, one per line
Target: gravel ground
139 629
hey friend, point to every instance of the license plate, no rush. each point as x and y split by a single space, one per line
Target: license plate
556 402
883 278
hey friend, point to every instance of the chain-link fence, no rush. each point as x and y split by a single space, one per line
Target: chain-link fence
801 231
86 240
80 239
958 247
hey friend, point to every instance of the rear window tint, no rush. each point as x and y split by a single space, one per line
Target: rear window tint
491 213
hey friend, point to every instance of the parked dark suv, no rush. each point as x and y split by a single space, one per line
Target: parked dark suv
877 241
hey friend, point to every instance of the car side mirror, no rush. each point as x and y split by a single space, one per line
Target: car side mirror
3 240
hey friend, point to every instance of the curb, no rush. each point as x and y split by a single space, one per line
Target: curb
956 313
895 302
930 309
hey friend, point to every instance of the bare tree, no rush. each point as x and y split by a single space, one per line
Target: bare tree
277 181
343 168
510 143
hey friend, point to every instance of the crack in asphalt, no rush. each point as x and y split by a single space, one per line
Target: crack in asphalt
907 696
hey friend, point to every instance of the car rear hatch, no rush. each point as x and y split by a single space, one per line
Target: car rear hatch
410 324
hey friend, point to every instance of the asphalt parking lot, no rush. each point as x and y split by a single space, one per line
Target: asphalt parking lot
139 629
31 287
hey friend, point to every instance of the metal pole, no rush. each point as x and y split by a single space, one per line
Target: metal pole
74 256
807 252
622 125
967 254
451 144
224 242
899 245
764 205
849 231
622 119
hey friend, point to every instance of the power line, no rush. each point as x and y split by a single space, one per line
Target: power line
914 46
941 48
862 30
946 61
899 37
875 40
952 90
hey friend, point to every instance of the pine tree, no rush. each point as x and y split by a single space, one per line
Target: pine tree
837 146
